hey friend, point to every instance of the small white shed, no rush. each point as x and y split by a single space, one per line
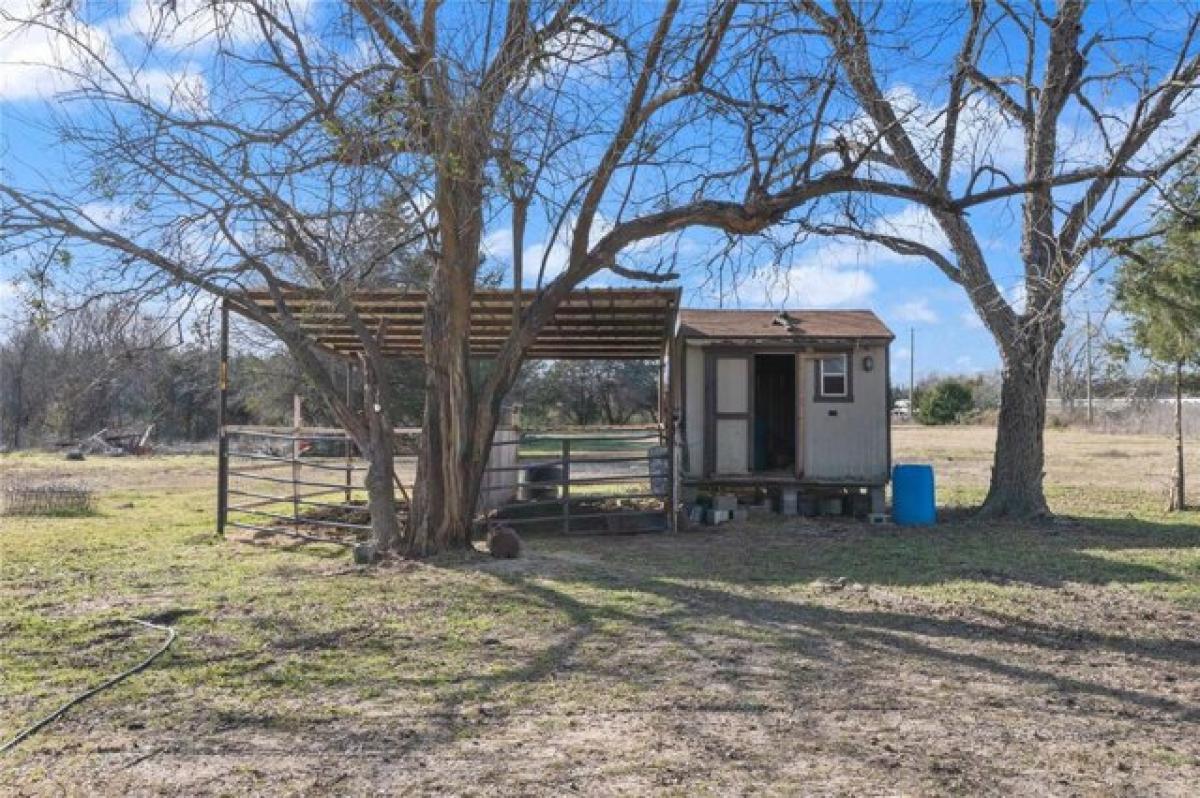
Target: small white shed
783 398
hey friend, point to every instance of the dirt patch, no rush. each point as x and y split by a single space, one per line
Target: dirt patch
691 686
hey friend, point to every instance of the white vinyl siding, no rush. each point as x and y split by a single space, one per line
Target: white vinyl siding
847 441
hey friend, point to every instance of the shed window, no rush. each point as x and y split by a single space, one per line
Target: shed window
833 376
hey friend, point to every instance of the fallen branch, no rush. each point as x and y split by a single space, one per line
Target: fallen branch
29 731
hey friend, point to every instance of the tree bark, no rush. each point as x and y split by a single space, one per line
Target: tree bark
1016 488
381 496
379 453
1178 497
455 434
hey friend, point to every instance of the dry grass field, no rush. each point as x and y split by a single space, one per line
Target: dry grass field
777 657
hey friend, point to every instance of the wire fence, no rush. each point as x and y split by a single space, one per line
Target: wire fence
55 499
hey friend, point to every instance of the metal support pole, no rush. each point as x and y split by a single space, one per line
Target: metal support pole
222 434
566 485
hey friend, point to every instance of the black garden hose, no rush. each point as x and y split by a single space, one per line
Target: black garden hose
29 731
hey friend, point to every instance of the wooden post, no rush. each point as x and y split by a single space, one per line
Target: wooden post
348 444
297 423
664 414
222 434
566 485
672 476
1179 488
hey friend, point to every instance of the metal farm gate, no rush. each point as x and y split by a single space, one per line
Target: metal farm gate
307 483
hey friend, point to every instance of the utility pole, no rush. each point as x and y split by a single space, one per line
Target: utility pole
1089 367
912 373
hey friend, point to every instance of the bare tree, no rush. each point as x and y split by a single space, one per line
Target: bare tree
593 392
1085 338
1063 123
309 158
24 385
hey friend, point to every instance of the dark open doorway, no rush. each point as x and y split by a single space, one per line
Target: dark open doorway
775 412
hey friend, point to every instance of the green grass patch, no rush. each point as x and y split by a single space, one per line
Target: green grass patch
279 637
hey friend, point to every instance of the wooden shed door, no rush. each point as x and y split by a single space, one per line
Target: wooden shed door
727 397
802 391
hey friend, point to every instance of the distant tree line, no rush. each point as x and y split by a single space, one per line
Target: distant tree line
100 367
96 370
589 392
105 368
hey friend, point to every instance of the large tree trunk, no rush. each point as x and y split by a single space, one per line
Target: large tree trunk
1016 488
381 495
456 434
452 449
379 451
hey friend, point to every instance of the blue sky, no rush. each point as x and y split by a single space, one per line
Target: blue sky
905 292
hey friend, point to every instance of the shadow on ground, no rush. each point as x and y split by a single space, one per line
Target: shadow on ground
774 551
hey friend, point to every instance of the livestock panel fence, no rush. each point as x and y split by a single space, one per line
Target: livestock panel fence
307 482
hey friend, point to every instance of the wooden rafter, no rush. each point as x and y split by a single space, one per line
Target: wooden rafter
590 324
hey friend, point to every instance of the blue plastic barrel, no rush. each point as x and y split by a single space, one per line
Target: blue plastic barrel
913 496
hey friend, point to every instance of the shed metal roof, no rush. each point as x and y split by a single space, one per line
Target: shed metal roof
591 324
786 324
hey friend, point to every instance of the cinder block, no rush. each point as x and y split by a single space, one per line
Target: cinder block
725 502
877 501
859 504
832 505
740 514
714 517
877 518
788 502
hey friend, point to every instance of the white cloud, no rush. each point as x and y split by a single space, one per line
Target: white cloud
1017 297
579 53
105 214
556 254
916 311
10 297
200 24
970 319
37 61
184 89
45 52
984 134
810 284
967 364
914 223
498 245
